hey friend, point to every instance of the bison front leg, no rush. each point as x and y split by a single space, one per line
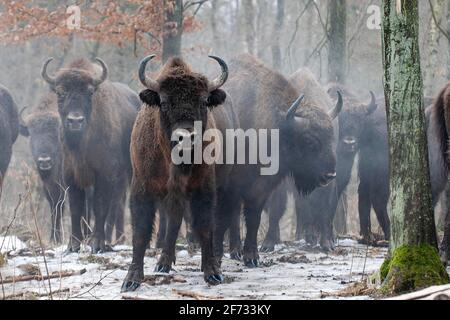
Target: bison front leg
106 195
252 213
202 209
55 198
167 258
276 206
77 202
162 230
445 245
142 219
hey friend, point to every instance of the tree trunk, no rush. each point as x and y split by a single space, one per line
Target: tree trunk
215 32
414 261
261 28
433 40
173 29
448 33
337 36
279 21
249 21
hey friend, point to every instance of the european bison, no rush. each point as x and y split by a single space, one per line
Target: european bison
43 126
9 130
438 122
363 131
174 101
97 117
264 99
315 212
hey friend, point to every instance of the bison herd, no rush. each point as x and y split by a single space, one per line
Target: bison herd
100 142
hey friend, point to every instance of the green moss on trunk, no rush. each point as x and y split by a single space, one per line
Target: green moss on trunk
412 268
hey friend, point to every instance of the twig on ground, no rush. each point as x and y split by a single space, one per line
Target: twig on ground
64 274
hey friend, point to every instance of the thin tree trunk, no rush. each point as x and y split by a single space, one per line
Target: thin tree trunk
415 261
250 34
433 40
337 36
215 33
173 29
279 21
448 32
261 28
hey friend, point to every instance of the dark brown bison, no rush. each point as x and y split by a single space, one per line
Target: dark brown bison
43 126
315 212
264 99
363 131
9 130
438 122
173 102
97 117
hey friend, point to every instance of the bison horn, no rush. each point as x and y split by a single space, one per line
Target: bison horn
50 80
104 75
293 109
338 108
219 81
22 124
373 103
149 83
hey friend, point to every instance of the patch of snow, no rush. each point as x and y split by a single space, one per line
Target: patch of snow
11 243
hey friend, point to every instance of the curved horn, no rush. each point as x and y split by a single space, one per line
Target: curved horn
219 81
104 75
50 80
146 81
338 108
293 109
23 128
373 103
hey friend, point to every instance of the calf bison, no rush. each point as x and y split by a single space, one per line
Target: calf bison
9 130
97 117
174 102
264 99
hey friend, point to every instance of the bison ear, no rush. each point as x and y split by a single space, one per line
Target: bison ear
216 98
150 98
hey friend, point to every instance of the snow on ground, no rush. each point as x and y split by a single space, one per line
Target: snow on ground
294 271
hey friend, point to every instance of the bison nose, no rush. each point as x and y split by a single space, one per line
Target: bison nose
327 179
184 139
75 122
45 163
350 141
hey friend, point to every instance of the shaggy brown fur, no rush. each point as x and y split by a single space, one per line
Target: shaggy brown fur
438 119
9 129
157 182
99 156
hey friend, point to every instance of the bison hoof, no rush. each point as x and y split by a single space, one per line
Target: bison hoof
99 246
72 248
133 279
236 255
267 246
214 279
251 263
160 268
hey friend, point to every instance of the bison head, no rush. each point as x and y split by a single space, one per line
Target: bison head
352 121
43 130
308 135
75 88
182 96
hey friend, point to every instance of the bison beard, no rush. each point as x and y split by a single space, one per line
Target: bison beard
9 130
157 182
101 114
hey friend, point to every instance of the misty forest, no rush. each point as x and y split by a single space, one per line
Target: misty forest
97 97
